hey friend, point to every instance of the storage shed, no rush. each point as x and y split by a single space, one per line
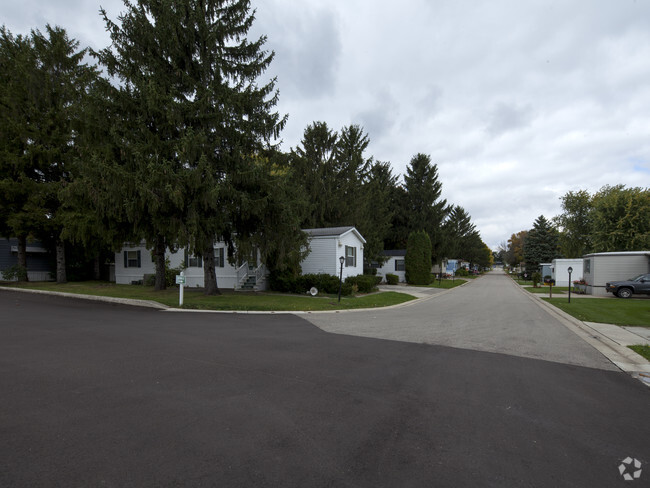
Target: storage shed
599 268
560 270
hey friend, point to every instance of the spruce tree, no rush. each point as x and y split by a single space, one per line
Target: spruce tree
541 245
417 261
193 113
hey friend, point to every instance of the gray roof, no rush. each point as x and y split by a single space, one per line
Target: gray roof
394 252
328 231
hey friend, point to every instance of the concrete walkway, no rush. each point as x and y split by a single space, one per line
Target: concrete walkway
490 314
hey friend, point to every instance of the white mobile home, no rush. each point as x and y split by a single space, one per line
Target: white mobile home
395 264
599 268
328 245
560 270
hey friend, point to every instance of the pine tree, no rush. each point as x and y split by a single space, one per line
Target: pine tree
193 115
541 244
418 258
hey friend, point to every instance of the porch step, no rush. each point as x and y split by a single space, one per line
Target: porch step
249 284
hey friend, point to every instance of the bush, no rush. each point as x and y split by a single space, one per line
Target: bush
392 279
15 273
418 258
364 283
170 275
285 282
462 272
536 278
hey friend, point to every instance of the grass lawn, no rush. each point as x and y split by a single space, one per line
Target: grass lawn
606 310
642 350
523 282
544 290
229 300
447 283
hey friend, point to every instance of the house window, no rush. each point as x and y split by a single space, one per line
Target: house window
219 257
399 265
350 256
193 261
587 266
132 259
375 264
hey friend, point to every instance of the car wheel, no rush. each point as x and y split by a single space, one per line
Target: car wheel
624 293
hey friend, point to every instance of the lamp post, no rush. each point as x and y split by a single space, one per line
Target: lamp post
570 270
341 260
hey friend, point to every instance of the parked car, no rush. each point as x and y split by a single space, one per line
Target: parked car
625 289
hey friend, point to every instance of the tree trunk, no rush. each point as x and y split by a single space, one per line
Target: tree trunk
60 262
22 257
96 269
210 286
159 258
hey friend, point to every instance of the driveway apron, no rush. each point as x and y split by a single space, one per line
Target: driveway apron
490 314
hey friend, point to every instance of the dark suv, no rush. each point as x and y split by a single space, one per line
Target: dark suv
625 289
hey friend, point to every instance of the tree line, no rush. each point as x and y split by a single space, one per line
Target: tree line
169 135
615 218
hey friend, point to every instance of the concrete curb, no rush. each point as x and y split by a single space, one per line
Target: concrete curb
166 308
622 357
121 301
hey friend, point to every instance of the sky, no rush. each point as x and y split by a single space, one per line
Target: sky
517 102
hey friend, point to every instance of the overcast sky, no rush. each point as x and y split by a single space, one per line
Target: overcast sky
517 101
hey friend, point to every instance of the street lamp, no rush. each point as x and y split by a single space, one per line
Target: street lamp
570 270
341 260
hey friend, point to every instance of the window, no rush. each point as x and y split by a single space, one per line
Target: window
350 256
132 259
375 264
587 266
193 261
219 257
399 265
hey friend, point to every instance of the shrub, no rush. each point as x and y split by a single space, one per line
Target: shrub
418 258
392 279
15 273
285 282
462 272
170 275
364 283
536 278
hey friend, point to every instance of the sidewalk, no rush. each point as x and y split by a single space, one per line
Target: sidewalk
610 340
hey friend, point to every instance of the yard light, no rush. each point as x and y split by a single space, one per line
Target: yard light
570 270
341 260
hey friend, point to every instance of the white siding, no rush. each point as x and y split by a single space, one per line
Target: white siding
614 267
560 271
125 275
324 253
389 268
322 257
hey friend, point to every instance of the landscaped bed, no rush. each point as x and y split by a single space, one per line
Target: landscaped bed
447 283
606 310
228 300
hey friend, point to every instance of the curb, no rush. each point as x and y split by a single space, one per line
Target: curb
96 298
622 357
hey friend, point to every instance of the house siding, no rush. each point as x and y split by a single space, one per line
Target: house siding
127 275
612 267
322 257
350 239
560 270
39 263
389 268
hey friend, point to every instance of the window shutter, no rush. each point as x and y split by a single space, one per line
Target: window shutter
126 259
185 257
139 259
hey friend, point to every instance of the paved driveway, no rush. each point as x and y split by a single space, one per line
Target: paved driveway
488 314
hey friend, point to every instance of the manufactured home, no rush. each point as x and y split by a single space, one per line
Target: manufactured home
394 264
326 247
40 265
560 271
599 268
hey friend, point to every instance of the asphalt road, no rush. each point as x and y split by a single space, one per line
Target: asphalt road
94 394
490 314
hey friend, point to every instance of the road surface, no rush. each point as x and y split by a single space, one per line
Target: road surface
94 394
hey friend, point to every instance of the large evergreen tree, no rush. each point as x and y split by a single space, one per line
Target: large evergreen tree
193 116
424 208
541 244
418 258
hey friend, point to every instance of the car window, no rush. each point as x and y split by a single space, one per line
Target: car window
637 278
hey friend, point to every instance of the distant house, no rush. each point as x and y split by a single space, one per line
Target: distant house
560 270
39 263
599 268
328 245
545 270
134 262
394 264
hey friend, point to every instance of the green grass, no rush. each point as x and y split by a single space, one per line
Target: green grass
544 290
606 310
642 350
229 300
523 282
447 283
